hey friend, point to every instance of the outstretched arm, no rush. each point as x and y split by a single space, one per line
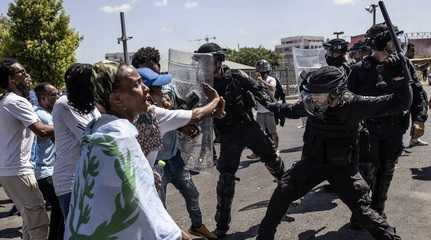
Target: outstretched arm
286 110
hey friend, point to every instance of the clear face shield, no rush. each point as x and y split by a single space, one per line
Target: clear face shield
315 104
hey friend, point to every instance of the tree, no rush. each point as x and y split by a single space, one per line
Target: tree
250 55
41 38
4 35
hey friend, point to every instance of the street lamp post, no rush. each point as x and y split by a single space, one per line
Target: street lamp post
372 9
338 34
124 38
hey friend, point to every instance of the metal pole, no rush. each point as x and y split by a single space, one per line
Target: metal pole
338 34
374 13
124 38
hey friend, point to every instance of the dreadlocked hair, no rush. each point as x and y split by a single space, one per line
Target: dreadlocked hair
146 57
80 87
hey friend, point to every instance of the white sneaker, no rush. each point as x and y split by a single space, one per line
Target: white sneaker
417 142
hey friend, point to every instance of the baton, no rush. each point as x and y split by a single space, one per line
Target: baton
395 40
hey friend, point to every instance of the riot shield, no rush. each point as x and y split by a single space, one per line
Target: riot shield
189 71
307 60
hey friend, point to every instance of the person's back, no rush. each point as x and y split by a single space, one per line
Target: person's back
68 127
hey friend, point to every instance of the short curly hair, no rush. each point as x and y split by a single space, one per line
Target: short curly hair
146 57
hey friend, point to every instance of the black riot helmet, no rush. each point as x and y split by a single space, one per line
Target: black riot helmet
360 46
378 37
323 88
213 48
359 50
263 66
336 50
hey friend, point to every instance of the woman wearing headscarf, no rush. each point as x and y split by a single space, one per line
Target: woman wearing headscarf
114 194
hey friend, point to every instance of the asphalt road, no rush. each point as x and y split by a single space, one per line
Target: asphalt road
319 215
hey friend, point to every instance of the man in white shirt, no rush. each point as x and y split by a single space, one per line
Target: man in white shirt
18 124
69 125
264 117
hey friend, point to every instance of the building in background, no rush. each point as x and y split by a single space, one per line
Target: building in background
286 63
422 42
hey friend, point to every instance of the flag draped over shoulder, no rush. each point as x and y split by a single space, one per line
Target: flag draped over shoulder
114 195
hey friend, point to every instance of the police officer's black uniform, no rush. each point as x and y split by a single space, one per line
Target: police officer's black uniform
330 153
238 130
383 145
379 155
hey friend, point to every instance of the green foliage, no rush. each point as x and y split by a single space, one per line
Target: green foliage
41 38
126 204
4 36
250 55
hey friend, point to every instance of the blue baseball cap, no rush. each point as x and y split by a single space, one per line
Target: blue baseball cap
152 78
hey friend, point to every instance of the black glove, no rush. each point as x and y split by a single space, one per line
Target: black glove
392 64
393 59
274 107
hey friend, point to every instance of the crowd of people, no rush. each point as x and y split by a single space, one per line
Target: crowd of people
102 153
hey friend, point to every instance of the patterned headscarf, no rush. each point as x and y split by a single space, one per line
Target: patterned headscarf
104 73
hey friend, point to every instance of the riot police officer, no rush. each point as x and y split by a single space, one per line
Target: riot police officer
237 130
336 51
330 147
373 77
359 51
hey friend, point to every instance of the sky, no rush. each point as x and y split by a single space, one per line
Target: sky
178 24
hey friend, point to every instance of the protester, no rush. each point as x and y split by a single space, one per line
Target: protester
114 178
69 125
18 122
169 154
44 158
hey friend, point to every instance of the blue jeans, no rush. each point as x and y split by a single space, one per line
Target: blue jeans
181 178
64 201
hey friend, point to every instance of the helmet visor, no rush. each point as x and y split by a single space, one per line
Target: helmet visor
315 104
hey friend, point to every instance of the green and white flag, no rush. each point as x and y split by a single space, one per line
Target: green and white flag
114 196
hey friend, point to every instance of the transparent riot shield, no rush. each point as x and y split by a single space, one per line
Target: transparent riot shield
189 71
305 61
